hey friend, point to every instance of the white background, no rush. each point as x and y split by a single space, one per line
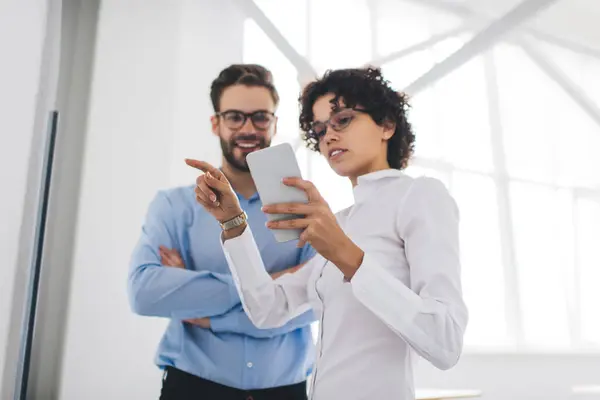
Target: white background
149 109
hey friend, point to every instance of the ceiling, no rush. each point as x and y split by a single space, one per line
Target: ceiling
574 20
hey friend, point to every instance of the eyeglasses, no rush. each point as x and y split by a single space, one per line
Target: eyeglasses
338 122
235 119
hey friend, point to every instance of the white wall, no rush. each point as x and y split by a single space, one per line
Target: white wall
22 33
149 109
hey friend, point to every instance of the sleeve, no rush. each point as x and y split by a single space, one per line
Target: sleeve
236 321
430 314
268 303
176 293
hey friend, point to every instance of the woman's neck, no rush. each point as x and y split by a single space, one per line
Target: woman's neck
373 168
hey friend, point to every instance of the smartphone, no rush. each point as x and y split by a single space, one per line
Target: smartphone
268 167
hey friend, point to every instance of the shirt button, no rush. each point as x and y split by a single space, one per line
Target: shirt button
249 365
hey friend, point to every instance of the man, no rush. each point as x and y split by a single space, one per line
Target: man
211 350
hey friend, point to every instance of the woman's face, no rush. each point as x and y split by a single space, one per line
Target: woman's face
355 145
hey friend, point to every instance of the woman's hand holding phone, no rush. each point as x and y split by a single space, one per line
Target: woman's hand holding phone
320 227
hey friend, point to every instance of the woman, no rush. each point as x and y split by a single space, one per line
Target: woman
386 281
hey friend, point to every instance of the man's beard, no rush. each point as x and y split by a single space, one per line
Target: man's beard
228 147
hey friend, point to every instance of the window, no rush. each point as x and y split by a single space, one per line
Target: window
329 49
257 48
516 152
483 278
539 216
587 217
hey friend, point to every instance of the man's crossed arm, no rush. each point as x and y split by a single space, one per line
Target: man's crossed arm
236 320
179 293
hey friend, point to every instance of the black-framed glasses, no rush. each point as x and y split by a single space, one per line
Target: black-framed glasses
338 122
235 119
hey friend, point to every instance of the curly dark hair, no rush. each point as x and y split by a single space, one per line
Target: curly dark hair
242 74
367 88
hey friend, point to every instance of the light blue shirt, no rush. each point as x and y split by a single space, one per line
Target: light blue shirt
233 352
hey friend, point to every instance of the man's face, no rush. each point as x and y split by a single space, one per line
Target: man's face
245 122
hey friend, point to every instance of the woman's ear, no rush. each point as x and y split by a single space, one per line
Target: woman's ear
389 128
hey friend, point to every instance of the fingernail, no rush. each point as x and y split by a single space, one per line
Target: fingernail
208 175
212 197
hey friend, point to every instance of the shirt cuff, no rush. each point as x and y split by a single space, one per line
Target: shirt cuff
376 288
245 262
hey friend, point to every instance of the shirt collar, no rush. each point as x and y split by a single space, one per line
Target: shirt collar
241 198
250 199
368 183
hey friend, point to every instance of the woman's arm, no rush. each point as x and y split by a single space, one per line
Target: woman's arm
269 303
237 321
430 314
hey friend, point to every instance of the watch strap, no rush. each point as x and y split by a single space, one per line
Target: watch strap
234 222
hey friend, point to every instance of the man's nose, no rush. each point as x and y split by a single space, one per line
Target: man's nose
248 127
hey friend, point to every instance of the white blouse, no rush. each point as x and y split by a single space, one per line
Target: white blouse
405 299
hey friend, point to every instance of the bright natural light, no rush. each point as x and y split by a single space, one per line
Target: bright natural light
516 152
124 280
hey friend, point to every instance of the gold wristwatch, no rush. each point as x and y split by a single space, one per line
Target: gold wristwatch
234 222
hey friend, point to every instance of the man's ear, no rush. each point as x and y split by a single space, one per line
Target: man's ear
275 126
214 123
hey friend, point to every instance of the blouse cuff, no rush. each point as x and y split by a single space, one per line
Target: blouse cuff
244 261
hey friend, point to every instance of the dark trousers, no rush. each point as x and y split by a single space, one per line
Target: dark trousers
179 385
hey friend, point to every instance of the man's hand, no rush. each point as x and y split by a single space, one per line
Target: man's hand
199 322
205 322
170 258
291 270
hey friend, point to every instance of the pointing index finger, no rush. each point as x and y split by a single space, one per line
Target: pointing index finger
204 167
